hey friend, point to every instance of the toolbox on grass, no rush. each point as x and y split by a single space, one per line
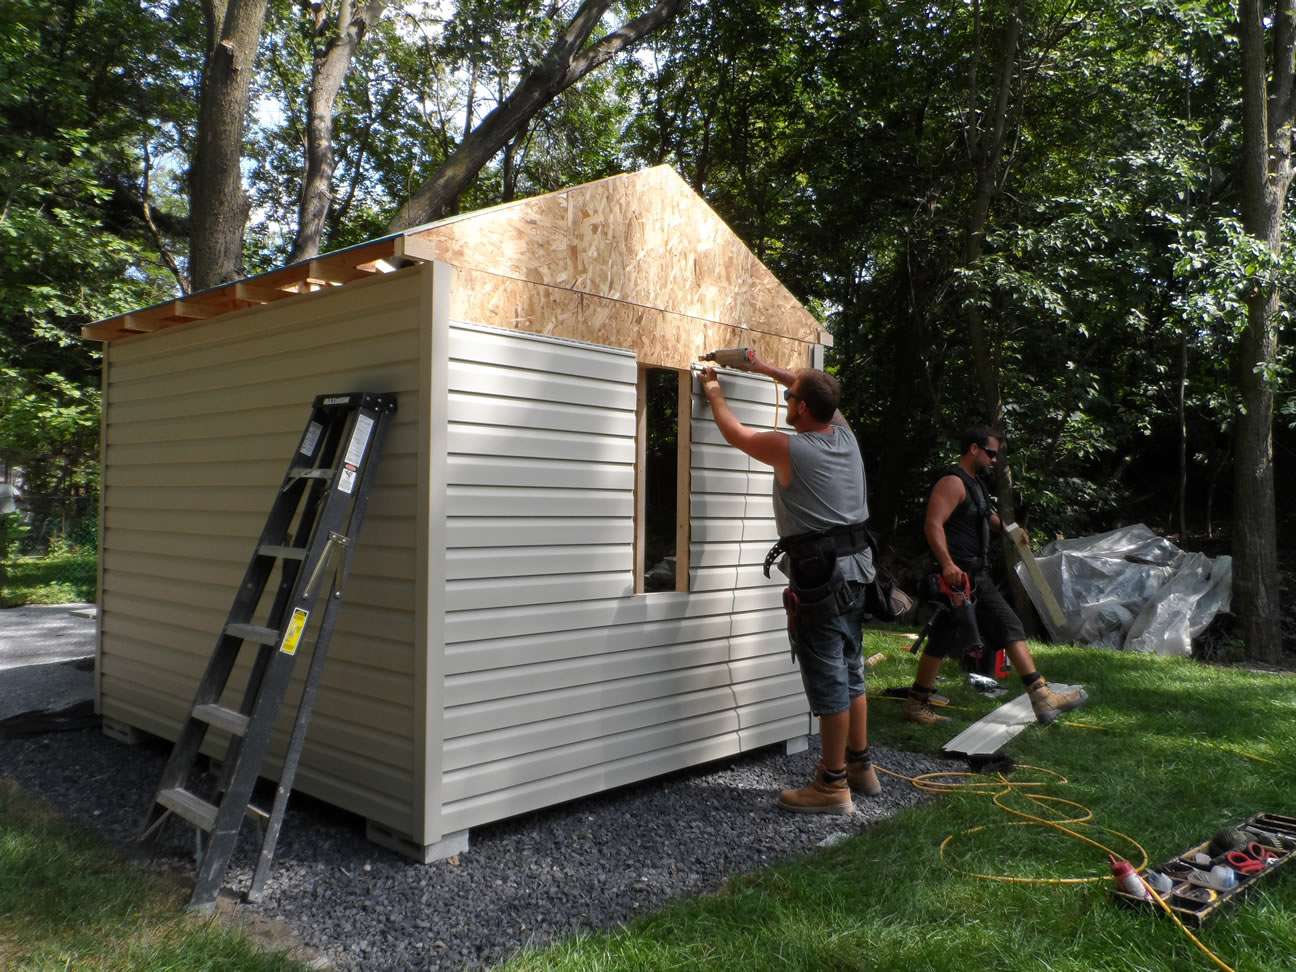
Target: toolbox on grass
1191 898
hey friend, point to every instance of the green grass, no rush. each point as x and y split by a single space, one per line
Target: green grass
1167 751
56 578
1164 765
67 901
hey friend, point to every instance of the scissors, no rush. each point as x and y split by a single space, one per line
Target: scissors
1249 860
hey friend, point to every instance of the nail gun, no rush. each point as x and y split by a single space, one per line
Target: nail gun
731 357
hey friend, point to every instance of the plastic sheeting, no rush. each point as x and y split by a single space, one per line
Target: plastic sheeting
1130 589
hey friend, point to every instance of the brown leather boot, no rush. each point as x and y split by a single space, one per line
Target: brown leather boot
918 709
860 774
820 795
1048 705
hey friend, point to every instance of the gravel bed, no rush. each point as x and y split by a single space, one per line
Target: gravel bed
594 863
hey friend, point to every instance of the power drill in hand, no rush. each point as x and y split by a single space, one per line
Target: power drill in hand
731 357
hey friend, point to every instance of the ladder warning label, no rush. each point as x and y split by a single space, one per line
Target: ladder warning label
310 439
359 439
346 479
293 633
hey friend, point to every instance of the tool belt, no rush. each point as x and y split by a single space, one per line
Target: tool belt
819 590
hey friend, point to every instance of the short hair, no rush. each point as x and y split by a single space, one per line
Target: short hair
820 392
977 435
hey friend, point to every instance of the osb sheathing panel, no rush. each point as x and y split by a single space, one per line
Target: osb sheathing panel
644 239
659 338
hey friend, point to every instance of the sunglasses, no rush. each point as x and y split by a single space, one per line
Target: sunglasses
788 395
989 452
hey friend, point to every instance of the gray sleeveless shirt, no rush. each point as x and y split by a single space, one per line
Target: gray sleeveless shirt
827 490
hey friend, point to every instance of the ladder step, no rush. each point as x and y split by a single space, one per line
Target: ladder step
251 632
222 717
285 553
196 810
324 472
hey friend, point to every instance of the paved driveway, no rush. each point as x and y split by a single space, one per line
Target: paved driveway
46 657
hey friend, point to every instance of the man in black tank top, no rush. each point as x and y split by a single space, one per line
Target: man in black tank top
958 525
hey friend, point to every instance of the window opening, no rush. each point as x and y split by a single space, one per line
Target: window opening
665 400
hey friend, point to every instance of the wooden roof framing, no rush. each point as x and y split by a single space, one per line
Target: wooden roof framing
637 261
329 270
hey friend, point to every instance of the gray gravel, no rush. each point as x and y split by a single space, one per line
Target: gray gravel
591 864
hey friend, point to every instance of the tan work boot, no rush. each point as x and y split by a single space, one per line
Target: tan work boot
1048 705
918 709
820 795
861 776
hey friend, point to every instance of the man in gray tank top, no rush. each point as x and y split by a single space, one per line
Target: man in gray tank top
818 488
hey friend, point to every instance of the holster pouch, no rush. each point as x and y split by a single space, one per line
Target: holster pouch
790 609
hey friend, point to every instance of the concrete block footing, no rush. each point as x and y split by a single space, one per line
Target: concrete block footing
448 846
797 744
122 732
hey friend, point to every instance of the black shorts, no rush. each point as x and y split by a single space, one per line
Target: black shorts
997 622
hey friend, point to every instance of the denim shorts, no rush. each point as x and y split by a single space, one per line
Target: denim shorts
831 660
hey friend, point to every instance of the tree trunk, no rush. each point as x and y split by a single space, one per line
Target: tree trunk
336 44
566 62
984 133
1267 116
218 206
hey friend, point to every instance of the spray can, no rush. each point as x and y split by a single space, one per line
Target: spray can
1127 877
731 357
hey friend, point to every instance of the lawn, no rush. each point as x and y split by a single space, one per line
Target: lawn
1166 752
67 901
59 577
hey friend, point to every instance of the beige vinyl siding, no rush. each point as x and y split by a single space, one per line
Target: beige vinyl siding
559 681
201 423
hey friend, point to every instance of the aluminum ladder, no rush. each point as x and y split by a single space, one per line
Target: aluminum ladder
310 534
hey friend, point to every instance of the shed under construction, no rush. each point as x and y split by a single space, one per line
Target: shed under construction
557 588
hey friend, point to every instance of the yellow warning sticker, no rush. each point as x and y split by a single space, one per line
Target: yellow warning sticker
293 633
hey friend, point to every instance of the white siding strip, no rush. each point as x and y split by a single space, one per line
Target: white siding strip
463 532
600 390
479 594
476 440
539 561
541 473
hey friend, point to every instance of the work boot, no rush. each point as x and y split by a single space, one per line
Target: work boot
918 709
860 774
820 795
1048 705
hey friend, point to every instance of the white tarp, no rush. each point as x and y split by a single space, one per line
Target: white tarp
1131 589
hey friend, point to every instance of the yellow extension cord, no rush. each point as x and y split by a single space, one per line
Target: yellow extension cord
935 783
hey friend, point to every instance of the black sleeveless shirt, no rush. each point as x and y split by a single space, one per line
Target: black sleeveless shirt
967 531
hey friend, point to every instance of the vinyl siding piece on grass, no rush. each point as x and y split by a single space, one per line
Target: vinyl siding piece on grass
201 423
559 681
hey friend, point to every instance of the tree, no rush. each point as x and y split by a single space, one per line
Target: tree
1268 113
336 36
84 86
567 61
218 205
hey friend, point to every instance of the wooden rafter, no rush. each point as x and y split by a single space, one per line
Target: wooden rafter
330 270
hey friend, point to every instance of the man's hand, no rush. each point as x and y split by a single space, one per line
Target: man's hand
954 576
709 378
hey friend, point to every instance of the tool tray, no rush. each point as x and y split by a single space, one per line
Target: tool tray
1194 904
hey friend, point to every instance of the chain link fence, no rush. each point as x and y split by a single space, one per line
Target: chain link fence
49 550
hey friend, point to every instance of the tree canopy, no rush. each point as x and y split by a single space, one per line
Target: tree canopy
1047 216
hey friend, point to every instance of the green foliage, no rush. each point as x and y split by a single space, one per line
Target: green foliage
69 901
1163 753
